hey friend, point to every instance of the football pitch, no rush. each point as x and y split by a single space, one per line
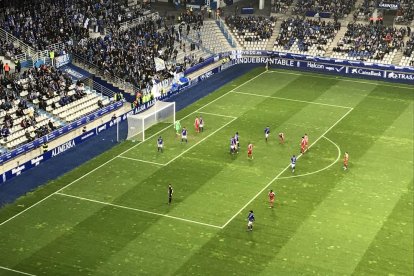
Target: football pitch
110 216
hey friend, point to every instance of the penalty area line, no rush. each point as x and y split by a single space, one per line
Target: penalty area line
287 167
138 210
16 271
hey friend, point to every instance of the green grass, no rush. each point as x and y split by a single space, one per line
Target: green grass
112 217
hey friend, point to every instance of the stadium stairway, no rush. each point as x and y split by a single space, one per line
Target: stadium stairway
340 34
399 55
230 33
276 30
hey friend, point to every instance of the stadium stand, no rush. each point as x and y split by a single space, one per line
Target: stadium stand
66 20
370 42
130 54
40 100
305 36
252 32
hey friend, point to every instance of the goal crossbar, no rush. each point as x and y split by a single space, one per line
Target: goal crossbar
160 112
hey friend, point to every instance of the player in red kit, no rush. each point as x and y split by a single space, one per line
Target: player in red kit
303 145
346 159
281 138
271 198
197 125
306 142
250 151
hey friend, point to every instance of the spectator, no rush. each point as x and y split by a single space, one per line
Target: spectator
100 104
6 69
5 132
18 67
50 125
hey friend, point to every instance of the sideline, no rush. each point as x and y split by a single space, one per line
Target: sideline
16 271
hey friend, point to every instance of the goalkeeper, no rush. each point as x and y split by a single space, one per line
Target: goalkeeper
177 127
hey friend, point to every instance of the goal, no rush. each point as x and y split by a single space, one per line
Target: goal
160 112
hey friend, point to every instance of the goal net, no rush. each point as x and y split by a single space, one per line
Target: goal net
160 112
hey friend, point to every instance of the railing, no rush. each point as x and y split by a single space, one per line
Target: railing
8 37
57 47
226 32
138 21
21 57
93 68
102 89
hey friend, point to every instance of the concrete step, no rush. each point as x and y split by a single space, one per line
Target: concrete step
276 30
340 34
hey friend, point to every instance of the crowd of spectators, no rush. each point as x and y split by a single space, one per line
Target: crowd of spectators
14 110
306 32
365 10
252 28
47 82
130 54
371 41
281 6
9 50
40 23
405 13
336 8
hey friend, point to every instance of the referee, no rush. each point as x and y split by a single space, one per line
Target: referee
170 193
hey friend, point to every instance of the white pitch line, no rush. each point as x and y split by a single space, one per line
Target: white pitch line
277 176
16 271
219 115
181 154
110 160
292 100
314 172
138 210
336 78
140 160
225 94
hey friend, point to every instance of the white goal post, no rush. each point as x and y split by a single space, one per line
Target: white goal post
160 112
